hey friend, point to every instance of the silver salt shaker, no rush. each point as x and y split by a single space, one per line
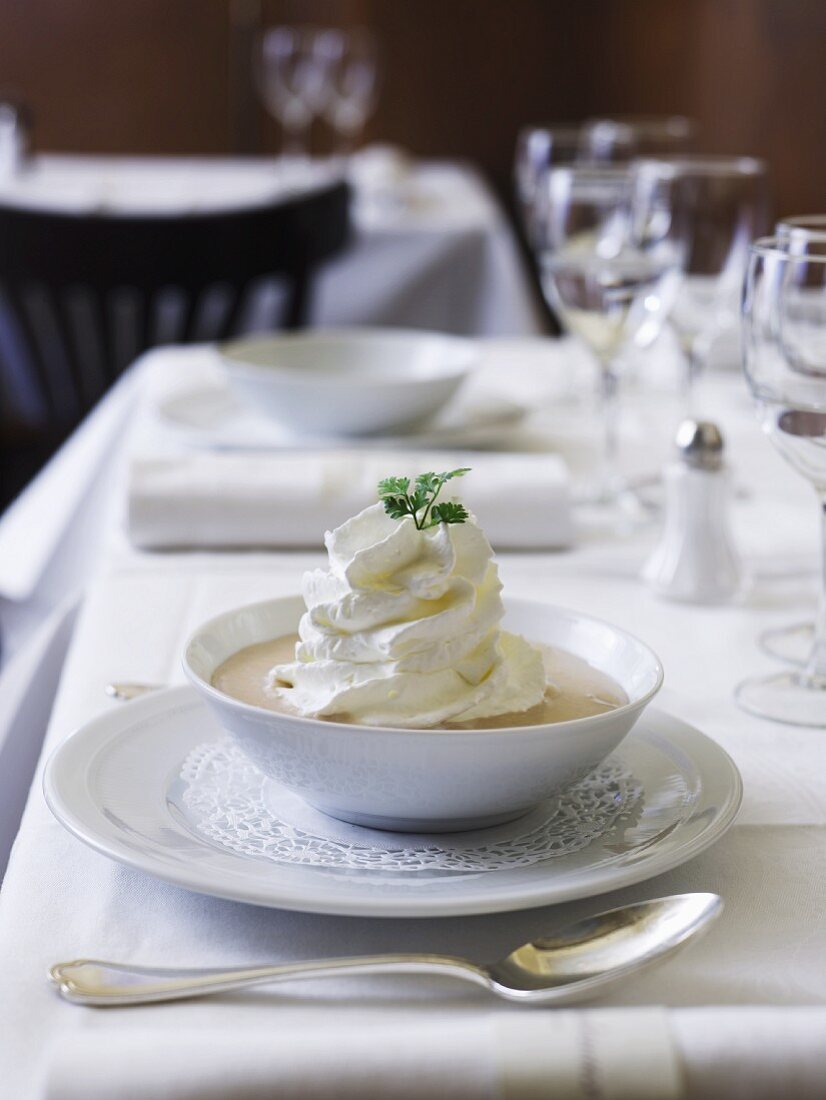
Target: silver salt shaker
695 560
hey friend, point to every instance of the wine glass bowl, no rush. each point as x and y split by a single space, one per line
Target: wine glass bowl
793 644
538 149
784 315
291 81
607 285
794 232
715 206
603 284
350 62
622 139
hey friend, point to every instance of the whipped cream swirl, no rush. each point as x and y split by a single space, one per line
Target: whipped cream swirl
403 630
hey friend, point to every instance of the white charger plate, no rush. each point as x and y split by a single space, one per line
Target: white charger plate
209 416
155 785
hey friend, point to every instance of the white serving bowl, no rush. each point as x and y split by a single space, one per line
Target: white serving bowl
426 780
348 381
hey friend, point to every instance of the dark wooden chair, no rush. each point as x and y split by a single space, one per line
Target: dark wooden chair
81 295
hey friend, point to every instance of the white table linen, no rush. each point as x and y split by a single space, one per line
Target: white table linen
35 524
61 901
52 536
743 1009
28 687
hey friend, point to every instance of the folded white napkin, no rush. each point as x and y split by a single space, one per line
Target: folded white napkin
529 1055
633 1054
289 500
754 1053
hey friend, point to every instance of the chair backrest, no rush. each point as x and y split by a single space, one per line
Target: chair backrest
85 293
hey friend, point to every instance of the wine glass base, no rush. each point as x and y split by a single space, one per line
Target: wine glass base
793 698
792 644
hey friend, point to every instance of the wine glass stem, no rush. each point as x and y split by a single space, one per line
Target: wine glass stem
816 666
346 139
694 362
609 393
697 349
295 138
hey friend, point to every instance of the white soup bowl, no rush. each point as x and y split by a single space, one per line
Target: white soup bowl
426 780
348 381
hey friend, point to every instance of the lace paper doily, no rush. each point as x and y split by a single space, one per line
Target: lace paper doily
230 803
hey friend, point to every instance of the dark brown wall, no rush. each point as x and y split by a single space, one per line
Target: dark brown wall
120 75
460 75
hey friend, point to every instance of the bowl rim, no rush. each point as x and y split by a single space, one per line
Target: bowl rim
571 725
468 354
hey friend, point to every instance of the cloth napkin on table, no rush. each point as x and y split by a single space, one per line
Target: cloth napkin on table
755 1053
290 500
533 1055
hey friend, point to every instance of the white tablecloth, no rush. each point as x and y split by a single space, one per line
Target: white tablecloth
431 248
745 1009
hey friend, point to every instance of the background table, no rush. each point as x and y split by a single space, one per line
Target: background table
431 248
745 1007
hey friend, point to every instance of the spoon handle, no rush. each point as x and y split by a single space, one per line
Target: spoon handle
93 982
125 691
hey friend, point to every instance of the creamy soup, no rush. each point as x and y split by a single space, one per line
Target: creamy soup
576 689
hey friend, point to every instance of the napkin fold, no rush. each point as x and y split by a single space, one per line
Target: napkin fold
290 500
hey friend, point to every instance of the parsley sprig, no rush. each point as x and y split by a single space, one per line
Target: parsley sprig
420 503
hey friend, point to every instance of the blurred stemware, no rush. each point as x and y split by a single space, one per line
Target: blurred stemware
607 285
794 643
350 62
715 206
538 149
793 233
292 82
622 139
784 315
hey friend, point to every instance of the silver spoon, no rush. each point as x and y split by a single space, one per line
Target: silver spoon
572 963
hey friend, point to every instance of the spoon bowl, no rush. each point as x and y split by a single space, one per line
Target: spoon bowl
570 964
600 949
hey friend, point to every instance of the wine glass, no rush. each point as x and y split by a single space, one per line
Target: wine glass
716 206
784 316
292 82
794 643
350 61
607 284
618 140
538 149
794 232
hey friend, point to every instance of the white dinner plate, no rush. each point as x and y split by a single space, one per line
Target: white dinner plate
157 785
209 416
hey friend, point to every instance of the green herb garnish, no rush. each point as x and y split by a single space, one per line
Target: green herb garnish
399 501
